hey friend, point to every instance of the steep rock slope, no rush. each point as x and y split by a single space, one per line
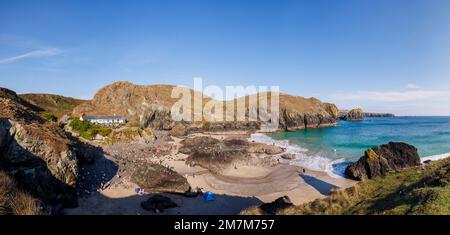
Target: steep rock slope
35 152
149 106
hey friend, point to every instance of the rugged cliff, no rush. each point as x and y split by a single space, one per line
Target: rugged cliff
36 152
352 115
297 112
149 106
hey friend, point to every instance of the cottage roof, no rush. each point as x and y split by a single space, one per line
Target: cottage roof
103 117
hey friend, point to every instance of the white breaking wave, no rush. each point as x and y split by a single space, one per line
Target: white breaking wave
435 157
314 162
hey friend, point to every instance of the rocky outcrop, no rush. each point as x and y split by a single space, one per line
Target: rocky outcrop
150 106
218 155
274 207
298 113
156 117
156 178
144 106
379 160
36 152
353 115
331 109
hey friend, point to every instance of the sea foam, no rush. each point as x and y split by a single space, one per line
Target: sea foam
334 168
435 157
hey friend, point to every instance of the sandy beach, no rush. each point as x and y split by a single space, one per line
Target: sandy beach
235 188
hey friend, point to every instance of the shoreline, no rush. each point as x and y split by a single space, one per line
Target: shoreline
238 188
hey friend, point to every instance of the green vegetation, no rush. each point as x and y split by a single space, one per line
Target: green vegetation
55 104
417 190
89 130
14 201
411 191
49 116
129 134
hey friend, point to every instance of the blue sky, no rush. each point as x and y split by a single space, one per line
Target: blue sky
391 55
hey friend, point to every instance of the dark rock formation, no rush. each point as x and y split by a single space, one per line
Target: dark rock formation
85 153
158 203
157 178
157 117
352 115
274 207
217 155
379 160
36 152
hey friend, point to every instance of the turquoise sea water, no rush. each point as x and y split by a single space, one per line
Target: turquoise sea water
349 140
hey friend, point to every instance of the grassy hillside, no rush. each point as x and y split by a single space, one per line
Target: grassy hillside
52 104
418 190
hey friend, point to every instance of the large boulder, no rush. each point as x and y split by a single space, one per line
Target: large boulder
154 178
379 160
276 206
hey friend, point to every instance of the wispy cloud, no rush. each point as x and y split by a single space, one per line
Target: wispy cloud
390 96
412 86
46 52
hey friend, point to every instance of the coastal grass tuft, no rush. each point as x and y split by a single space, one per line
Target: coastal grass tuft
422 190
13 201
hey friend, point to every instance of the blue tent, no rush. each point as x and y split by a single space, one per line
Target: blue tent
209 196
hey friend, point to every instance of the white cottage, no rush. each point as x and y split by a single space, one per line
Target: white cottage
104 119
